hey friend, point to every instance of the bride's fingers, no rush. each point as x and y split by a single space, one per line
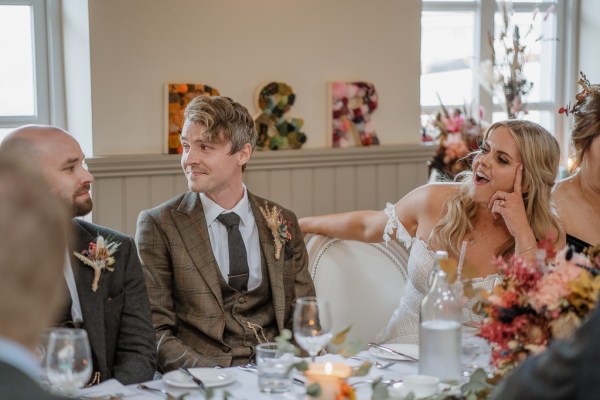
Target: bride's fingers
499 195
518 180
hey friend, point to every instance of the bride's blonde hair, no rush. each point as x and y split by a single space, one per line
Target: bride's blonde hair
540 155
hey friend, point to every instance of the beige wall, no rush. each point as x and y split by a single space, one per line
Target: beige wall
136 46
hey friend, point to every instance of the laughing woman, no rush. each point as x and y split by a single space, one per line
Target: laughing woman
500 208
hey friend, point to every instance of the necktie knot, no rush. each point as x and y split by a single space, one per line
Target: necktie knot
229 219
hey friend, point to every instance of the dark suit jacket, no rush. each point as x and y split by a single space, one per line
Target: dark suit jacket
17 385
568 370
183 281
116 316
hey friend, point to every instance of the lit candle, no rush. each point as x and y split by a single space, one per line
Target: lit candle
329 376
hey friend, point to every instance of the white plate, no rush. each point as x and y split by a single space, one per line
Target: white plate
408 349
211 377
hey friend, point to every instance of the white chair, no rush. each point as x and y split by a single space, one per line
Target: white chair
363 282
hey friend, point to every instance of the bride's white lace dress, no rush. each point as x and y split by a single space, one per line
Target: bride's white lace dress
403 326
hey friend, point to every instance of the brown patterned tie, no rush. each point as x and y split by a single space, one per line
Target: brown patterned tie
238 260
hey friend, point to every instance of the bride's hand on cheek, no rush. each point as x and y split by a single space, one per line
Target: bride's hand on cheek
510 206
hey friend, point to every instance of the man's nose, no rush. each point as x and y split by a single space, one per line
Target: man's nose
87 176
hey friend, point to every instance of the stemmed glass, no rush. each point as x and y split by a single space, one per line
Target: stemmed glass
312 325
68 362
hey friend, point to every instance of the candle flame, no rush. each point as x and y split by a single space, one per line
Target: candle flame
328 368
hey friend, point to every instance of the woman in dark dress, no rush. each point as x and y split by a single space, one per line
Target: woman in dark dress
577 198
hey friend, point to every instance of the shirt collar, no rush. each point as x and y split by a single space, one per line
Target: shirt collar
212 210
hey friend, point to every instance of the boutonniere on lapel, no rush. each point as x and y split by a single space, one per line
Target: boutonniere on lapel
99 256
279 228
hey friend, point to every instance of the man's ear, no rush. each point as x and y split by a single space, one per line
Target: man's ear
244 154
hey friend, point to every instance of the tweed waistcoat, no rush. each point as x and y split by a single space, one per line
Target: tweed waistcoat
249 316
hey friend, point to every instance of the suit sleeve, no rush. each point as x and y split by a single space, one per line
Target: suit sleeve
303 284
135 357
567 370
158 270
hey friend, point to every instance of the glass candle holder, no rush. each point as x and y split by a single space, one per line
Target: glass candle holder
329 376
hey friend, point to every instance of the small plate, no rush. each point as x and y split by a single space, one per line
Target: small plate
408 349
211 377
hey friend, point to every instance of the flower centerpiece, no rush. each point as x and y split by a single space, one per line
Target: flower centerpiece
539 301
503 74
458 133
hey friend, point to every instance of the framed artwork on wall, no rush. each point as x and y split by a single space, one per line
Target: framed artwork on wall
352 104
276 129
178 95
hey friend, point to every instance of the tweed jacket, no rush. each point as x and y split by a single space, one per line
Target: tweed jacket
17 385
183 281
116 316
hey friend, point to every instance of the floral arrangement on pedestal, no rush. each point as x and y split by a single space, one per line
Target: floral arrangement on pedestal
503 74
458 134
537 302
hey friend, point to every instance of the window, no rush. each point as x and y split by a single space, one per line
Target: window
454 42
28 93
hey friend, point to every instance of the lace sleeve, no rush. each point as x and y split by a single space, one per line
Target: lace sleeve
394 223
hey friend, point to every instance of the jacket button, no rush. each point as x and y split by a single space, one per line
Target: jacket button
225 349
241 300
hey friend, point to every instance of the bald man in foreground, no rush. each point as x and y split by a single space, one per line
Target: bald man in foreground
107 295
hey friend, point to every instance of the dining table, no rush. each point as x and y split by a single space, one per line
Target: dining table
242 384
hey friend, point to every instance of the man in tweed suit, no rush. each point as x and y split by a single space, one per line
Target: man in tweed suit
116 314
205 311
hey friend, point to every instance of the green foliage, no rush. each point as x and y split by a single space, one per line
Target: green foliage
313 390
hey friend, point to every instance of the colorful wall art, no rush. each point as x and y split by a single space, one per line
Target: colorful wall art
275 129
352 106
178 96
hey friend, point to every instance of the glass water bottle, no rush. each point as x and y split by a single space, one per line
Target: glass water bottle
440 328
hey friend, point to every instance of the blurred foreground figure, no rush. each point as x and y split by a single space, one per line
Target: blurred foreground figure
33 235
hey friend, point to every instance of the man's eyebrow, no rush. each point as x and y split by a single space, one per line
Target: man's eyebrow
72 160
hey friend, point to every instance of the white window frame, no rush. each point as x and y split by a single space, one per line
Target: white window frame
566 22
49 103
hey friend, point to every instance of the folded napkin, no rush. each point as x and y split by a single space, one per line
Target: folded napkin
109 388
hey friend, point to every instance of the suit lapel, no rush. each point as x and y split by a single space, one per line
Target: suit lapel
274 267
191 224
92 304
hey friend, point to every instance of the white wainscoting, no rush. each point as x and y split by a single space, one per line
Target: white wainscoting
310 181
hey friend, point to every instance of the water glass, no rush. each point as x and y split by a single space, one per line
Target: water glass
274 363
68 362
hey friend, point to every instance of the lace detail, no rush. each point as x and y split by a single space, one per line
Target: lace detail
394 223
403 326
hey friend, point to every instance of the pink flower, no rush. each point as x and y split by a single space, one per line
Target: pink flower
338 90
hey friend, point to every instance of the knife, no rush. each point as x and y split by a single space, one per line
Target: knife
392 351
196 380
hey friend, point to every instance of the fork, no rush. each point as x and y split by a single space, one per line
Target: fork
144 387
378 365
193 377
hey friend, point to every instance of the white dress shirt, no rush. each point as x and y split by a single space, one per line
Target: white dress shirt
15 354
217 233
76 313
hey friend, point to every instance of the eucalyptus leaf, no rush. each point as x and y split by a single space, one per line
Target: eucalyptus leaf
362 370
379 390
313 390
340 337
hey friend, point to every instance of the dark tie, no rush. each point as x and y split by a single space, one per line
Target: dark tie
238 261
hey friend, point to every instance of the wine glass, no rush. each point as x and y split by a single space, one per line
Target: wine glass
312 324
68 363
471 351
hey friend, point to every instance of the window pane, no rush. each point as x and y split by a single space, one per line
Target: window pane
447 44
4 132
542 117
17 95
540 51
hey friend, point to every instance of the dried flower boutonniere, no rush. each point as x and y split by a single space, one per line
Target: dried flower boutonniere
279 227
99 256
